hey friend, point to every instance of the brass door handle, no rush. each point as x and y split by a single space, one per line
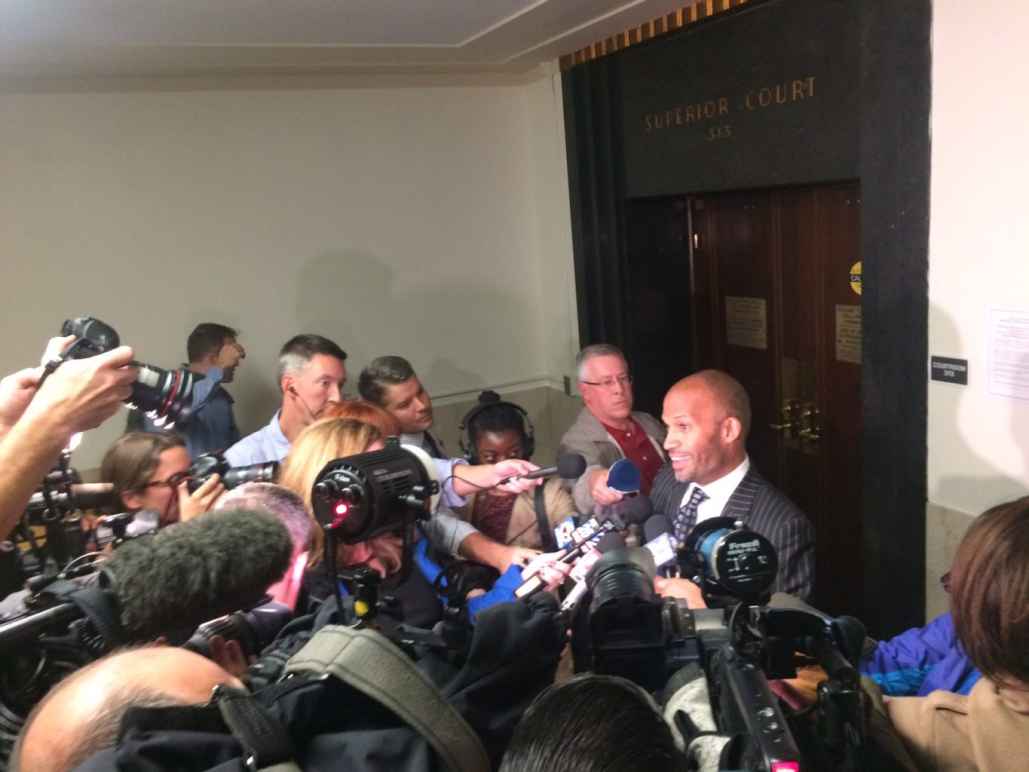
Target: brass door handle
782 427
810 434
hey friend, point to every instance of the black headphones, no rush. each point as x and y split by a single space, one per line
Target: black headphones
488 400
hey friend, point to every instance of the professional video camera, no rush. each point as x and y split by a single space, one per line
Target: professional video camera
164 395
209 464
622 627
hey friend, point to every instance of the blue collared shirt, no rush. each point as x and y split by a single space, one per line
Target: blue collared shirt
266 444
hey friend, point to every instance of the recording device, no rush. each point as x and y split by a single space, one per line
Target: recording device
210 464
162 585
253 629
622 627
489 400
569 466
624 476
164 395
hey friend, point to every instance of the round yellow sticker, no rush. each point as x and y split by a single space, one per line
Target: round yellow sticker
855 277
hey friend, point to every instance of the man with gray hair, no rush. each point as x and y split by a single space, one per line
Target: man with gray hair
312 372
607 429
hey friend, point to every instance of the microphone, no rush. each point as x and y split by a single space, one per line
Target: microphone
634 510
570 466
658 541
79 496
584 537
624 476
655 527
582 567
183 575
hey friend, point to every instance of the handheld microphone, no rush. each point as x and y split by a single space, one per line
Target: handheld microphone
170 582
584 538
570 466
624 476
608 542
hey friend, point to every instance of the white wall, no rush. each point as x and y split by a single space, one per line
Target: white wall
978 258
427 219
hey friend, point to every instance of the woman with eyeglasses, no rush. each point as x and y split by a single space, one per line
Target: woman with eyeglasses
150 474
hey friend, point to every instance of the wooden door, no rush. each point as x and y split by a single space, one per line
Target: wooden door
775 307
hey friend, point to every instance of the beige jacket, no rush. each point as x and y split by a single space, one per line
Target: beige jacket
986 731
523 531
589 437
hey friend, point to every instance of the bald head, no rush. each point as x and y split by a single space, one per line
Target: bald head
708 418
82 714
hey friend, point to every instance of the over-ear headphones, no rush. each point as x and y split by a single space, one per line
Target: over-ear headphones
487 401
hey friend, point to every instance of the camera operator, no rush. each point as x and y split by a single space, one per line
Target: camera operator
39 420
86 709
149 473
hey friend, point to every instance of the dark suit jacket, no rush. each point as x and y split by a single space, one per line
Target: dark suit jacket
765 511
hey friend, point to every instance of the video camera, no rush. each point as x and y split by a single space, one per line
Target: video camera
622 627
164 395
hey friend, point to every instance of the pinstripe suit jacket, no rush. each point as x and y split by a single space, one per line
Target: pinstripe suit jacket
766 511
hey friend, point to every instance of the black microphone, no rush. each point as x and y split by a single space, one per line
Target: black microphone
570 466
633 510
183 575
610 541
655 527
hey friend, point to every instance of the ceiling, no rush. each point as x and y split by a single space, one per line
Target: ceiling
73 39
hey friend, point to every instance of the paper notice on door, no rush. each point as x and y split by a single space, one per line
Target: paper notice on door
746 322
848 334
1008 348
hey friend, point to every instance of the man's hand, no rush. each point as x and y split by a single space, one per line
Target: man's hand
16 392
680 588
83 393
515 467
601 493
201 500
550 571
18 389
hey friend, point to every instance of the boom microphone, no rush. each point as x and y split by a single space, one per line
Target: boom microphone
570 466
188 573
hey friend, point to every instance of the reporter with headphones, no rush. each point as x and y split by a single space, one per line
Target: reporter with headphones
494 431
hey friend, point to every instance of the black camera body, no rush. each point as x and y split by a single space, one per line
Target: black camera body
622 627
166 396
209 464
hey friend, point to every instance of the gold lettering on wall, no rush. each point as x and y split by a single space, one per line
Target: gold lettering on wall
760 98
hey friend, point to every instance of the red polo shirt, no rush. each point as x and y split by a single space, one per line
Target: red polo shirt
637 447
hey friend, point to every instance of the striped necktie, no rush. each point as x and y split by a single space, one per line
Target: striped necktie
686 517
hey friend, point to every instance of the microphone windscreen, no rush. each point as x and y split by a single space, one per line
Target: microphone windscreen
169 583
570 466
654 527
624 476
633 510
610 541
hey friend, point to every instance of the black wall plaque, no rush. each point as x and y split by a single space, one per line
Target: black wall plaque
949 370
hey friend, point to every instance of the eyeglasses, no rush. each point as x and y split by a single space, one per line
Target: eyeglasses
609 383
172 482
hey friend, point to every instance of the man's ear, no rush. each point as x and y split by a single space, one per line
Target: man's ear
732 430
286 382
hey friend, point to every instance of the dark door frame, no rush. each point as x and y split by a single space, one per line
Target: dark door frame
893 41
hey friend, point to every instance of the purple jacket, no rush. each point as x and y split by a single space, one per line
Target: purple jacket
921 660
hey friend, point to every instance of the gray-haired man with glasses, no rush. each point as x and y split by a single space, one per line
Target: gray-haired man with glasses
607 429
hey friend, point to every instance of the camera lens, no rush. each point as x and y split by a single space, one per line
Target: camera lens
164 395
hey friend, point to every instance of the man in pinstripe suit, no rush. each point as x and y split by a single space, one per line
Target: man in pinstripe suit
708 474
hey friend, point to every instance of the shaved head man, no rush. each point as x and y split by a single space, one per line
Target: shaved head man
82 714
708 474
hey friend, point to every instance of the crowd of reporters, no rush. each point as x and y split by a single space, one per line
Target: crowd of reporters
494 658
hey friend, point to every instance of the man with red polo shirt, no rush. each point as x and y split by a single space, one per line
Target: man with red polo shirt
607 429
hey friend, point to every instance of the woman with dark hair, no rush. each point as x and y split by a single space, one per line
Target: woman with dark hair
150 473
989 588
495 431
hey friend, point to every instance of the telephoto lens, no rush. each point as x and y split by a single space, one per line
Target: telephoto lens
232 476
166 396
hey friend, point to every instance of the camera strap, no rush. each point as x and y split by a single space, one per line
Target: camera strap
366 661
542 521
